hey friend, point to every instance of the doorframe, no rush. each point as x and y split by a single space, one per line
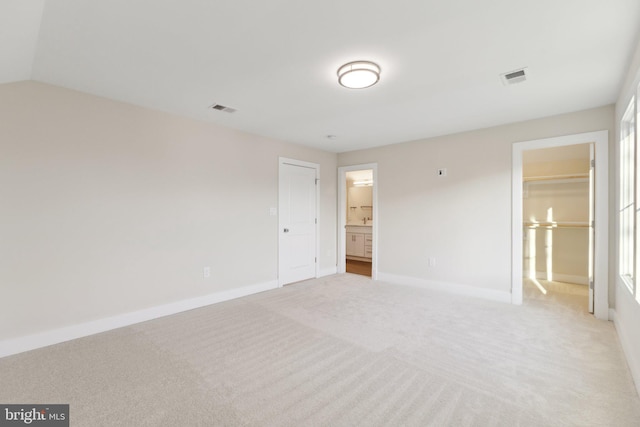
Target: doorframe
600 139
282 161
342 217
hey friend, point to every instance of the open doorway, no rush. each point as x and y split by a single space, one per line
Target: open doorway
359 235
557 209
600 175
358 220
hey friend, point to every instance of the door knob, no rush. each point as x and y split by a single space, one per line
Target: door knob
286 230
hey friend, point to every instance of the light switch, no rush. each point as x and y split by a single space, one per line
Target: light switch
273 211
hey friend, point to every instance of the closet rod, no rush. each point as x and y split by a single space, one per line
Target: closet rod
556 177
556 224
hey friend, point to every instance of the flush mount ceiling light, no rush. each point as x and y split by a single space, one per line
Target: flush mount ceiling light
359 74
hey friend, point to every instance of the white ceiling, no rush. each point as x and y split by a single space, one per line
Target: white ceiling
276 61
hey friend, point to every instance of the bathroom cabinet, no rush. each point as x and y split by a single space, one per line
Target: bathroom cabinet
355 244
359 242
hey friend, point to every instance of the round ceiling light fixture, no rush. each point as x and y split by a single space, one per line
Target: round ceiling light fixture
359 74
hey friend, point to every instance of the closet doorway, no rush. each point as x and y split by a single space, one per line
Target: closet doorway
599 178
358 219
557 209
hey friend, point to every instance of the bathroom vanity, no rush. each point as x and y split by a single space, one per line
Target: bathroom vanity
359 242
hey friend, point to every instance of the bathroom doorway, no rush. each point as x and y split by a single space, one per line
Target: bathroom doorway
359 238
358 220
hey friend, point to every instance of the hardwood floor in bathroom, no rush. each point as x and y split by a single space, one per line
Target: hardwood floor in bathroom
359 267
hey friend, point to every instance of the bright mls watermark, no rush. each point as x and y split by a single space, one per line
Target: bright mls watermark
34 415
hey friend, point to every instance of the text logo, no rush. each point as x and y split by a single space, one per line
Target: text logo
34 415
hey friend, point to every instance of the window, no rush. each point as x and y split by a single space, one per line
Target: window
629 207
627 231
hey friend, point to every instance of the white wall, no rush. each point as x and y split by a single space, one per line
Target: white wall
20 22
462 220
627 310
107 208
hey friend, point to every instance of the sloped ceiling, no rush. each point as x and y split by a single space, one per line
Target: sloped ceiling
275 61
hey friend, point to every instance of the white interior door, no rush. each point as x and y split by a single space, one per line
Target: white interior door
297 221
592 171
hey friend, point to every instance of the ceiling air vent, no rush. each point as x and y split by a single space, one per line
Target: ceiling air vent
224 108
513 77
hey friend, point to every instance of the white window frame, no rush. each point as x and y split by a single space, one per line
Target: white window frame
627 230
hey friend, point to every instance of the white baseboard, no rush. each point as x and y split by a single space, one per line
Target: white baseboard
633 363
453 288
44 339
328 271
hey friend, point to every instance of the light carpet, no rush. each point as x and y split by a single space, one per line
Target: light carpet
342 351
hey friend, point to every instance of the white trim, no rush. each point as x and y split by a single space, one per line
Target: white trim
627 348
452 288
342 216
56 336
316 166
330 271
601 260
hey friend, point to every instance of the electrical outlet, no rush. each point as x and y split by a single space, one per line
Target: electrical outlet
442 172
206 272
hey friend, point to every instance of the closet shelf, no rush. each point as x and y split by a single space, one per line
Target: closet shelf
554 224
547 178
